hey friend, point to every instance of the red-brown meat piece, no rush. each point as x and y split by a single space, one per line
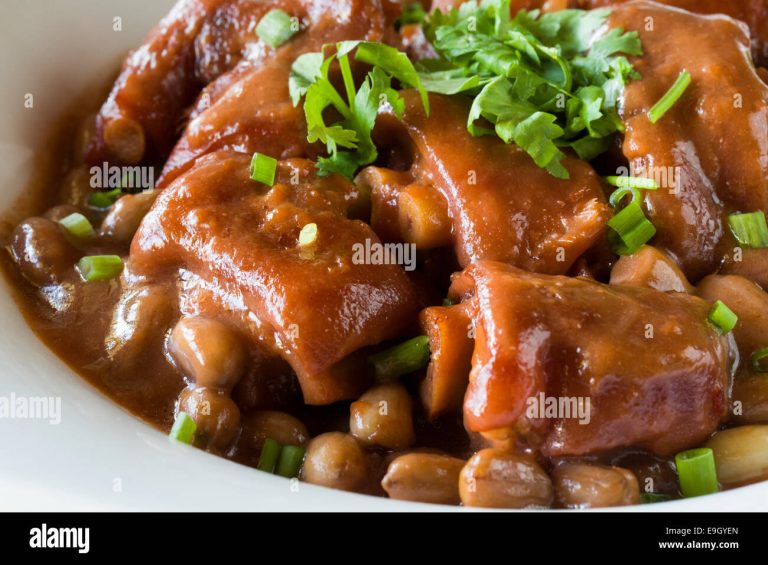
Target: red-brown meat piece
571 338
249 109
753 12
503 206
311 305
713 141
157 82
214 42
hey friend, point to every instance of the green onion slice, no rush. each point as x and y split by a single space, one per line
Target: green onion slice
184 428
270 452
760 360
104 199
263 169
696 472
618 195
750 230
653 497
668 100
722 317
275 28
308 234
291 459
100 267
412 13
78 226
631 229
632 182
401 359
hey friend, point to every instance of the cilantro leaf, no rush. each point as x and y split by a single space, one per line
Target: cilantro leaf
349 141
544 82
304 71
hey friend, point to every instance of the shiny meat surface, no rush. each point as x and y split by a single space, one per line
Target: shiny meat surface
312 304
753 12
655 373
710 151
502 206
198 44
249 109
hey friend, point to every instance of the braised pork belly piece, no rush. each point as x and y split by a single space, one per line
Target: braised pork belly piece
649 370
498 204
709 166
310 302
207 54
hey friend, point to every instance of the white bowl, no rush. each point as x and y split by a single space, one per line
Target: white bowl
100 457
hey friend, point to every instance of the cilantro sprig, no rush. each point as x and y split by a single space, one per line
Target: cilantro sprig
348 139
539 81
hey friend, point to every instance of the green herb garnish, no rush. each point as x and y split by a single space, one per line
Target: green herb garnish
275 28
670 97
263 169
401 359
750 230
412 13
348 140
539 81
723 318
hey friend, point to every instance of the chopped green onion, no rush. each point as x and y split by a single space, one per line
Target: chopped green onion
78 226
668 100
103 199
750 230
291 458
308 234
412 13
722 317
263 169
696 472
632 182
100 267
760 360
618 195
270 452
631 229
448 302
184 428
401 359
653 497
275 28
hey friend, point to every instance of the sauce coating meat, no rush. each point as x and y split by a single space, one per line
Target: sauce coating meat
310 303
540 337
342 276
491 190
704 176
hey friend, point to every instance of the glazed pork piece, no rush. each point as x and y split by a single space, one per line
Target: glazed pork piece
212 46
753 12
500 205
656 373
249 109
237 244
710 150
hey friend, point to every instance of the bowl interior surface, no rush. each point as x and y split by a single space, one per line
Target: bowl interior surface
99 457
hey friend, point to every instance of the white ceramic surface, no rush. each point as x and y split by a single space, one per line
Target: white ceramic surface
100 457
